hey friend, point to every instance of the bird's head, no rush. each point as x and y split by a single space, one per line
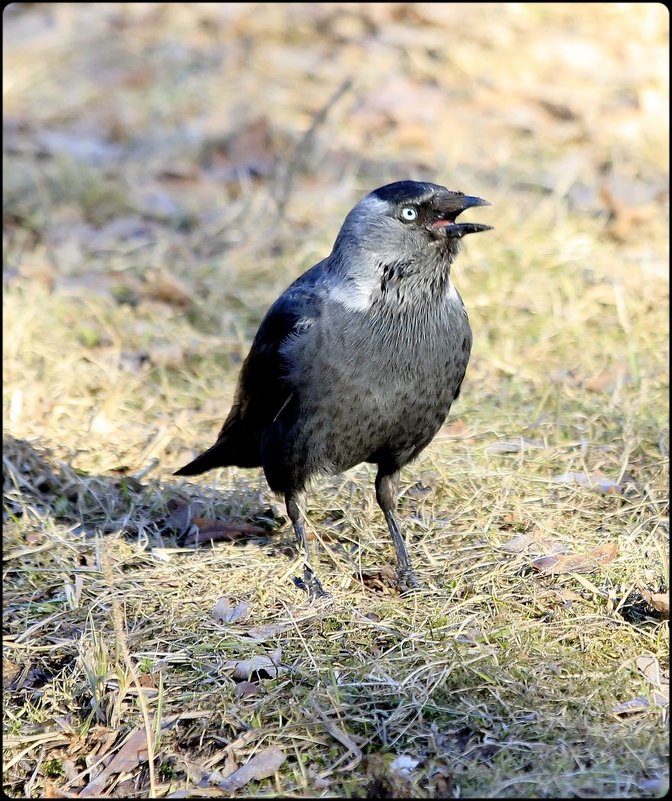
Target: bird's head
409 220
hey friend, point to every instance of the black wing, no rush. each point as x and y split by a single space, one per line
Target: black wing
262 390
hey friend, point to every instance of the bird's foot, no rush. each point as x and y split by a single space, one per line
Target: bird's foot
310 584
407 582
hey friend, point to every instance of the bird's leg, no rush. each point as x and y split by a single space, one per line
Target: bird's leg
387 486
310 582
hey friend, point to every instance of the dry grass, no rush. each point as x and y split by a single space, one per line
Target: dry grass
142 246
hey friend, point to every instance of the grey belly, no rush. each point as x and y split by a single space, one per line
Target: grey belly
360 396
388 419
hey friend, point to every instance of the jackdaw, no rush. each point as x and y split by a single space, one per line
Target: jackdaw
359 360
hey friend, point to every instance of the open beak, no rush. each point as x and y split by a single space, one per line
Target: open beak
449 209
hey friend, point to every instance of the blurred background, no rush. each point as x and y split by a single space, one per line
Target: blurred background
170 168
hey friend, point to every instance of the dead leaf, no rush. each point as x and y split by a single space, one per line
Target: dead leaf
650 668
164 286
518 445
641 704
249 151
404 764
626 218
9 672
261 766
595 481
120 285
444 787
657 788
167 354
383 579
659 601
223 612
209 529
78 144
569 596
633 707
518 544
340 735
245 669
266 631
131 754
607 380
245 689
155 203
126 230
457 430
577 562
402 103
51 791
180 515
185 171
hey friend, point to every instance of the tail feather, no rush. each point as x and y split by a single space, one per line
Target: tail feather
213 457
236 445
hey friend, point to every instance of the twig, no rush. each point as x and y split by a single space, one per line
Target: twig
286 177
338 734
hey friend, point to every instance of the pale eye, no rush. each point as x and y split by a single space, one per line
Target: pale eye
409 213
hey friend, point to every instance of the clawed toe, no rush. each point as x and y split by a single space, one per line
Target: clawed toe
310 584
407 583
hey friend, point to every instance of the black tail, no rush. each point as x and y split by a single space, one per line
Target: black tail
213 457
235 446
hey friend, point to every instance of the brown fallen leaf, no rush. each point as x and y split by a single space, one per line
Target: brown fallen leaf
557 598
179 518
626 218
517 445
518 544
383 579
650 667
131 754
659 601
122 286
577 562
9 672
641 704
261 766
162 285
209 529
245 689
265 631
606 380
251 150
457 429
245 669
51 791
569 596
167 354
595 481
223 612
632 707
